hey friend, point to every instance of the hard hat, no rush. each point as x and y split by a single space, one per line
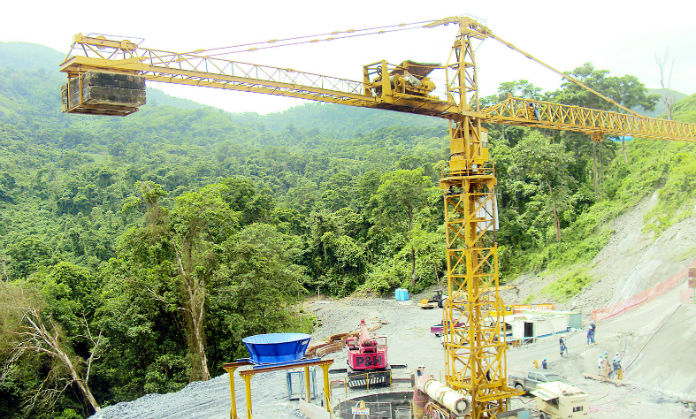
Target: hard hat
544 359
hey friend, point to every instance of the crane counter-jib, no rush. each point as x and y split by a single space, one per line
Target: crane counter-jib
268 80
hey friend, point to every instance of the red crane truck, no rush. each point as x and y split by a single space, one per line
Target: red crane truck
367 360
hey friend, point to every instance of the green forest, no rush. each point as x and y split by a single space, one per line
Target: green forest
137 252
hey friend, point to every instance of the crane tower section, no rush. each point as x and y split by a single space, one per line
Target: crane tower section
475 360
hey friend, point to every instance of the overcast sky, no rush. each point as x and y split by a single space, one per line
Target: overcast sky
623 37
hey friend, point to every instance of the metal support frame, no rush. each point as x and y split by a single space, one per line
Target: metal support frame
475 360
231 367
541 114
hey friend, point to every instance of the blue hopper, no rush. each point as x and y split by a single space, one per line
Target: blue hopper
274 348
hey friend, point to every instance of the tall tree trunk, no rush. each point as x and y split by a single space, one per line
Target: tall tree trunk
81 384
84 388
413 266
665 82
556 221
194 310
413 251
596 175
669 105
198 335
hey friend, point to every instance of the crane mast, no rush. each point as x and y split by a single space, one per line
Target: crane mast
474 327
475 359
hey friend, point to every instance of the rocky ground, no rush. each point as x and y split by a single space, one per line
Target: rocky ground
632 261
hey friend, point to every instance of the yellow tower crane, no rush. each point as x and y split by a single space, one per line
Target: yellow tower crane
475 360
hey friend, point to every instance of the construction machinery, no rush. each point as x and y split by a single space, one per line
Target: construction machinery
475 361
556 400
367 359
432 302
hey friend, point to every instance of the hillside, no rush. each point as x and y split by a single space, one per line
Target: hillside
134 228
660 106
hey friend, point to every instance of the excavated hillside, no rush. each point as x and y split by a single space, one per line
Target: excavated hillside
631 262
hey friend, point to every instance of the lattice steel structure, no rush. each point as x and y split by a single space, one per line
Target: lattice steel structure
474 337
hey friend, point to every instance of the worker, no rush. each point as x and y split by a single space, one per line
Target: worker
591 333
606 367
616 367
564 347
544 364
600 364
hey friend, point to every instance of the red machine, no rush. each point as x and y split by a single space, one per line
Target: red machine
367 359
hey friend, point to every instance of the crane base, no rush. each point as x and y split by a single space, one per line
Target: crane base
369 379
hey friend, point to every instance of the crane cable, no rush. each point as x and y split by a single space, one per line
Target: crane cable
662 324
564 75
378 30
306 39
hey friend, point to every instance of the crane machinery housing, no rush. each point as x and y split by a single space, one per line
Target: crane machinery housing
106 76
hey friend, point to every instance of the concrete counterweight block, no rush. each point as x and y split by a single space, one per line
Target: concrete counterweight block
104 93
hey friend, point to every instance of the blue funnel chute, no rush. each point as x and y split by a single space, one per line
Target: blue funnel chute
273 348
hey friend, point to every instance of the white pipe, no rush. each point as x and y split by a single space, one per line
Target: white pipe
451 399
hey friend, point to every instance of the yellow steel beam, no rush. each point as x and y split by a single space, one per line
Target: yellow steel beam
194 70
540 114
475 359
101 54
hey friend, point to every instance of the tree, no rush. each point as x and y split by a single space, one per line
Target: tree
400 195
336 252
666 82
255 290
28 254
542 163
199 220
626 90
519 88
27 328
